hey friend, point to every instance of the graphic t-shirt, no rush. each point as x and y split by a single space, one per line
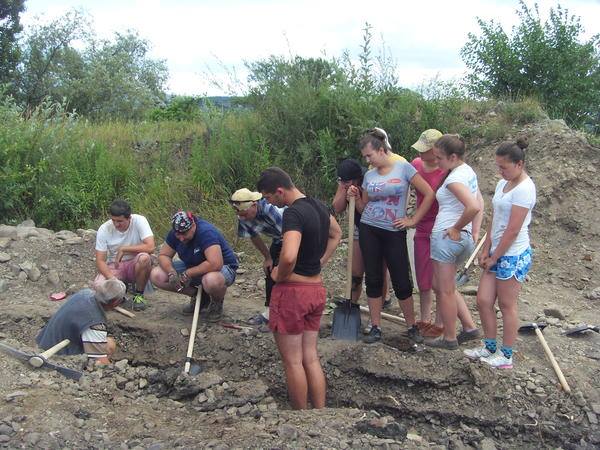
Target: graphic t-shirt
521 195
451 208
109 239
387 195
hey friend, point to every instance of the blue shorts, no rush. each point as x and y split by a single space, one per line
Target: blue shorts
228 273
448 251
513 266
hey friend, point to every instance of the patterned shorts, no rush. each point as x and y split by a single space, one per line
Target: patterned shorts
513 266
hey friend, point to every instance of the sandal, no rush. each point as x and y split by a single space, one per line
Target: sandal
258 319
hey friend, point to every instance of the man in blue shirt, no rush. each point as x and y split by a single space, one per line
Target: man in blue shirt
204 257
255 217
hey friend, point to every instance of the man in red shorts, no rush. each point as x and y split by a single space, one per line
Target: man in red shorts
310 236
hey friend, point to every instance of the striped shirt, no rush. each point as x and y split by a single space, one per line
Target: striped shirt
268 221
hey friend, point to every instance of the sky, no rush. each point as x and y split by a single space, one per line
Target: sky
204 41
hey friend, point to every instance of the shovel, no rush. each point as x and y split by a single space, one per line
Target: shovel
462 277
581 329
191 366
41 360
346 315
537 327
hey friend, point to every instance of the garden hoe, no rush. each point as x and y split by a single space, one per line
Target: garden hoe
41 360
192 367
346 315
462 277
537 327
581 329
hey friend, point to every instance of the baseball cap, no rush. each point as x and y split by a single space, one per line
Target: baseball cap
244 198
350 169
427 140
182 221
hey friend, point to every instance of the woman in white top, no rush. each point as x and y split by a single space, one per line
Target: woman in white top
452 238
506 255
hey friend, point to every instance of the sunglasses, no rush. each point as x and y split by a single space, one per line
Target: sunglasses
241 206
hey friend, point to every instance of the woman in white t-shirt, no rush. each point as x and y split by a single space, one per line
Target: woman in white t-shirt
506 254
455 229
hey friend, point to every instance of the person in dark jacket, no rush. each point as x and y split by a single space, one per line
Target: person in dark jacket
82 320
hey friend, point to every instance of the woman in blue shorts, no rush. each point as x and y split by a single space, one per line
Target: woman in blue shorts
506 255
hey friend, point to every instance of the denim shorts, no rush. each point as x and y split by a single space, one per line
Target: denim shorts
448 251
513 266
228 272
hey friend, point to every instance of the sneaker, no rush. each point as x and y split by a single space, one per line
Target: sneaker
373 336
440 342
258 319
477 353
387 303
498 361
367 329
139 303
215 311
465 336
432 331
414 334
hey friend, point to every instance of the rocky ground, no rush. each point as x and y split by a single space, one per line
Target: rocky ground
387 395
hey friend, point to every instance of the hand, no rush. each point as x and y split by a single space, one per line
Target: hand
267 266
118 258
488 262
352 191
481 258
173 279
274 273
404 222
453 234
183 281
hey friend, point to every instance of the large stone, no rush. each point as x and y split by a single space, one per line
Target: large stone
65 234
32 271
25 232
74 240
53 278
3 286
594 294
5 242
8 231
27 224
554 312
4 257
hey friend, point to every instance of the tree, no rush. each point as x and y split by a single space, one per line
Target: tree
10 27
543 60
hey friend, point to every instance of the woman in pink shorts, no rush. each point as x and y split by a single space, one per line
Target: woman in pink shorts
427 166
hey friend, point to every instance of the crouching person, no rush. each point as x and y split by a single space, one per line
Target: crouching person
82 320
310 236
205 258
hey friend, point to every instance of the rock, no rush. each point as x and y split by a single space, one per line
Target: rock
184 332
22 276
8 231
122 365
383 427
156 446
240 271
592 418
32 438
53 278
487 444
245 409
287 432
3 286
25 232
4 438
27 224
240 280
16 394
5 429
74 241
143 383
33 273
65 234
4 242
594 294
596 408
468 290
120 381
260 283
554 312
4 257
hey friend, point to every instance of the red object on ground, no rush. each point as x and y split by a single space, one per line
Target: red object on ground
58 296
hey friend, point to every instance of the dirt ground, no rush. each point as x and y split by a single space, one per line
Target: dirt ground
386 395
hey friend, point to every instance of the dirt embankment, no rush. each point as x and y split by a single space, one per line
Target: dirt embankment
378 396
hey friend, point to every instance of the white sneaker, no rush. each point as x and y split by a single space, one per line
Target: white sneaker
498 361
476 353
367 329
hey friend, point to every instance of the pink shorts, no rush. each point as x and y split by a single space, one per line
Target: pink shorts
423 265
125 272
296 307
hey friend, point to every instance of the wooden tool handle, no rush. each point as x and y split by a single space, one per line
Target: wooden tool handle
351 207
386 316
550 356
474 254
55 349
124 312
190 349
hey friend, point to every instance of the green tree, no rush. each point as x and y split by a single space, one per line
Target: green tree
10 27
539 59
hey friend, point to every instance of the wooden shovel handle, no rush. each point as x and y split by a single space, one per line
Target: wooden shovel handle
474 254
190 349
55 349
124 312
386 316
550 356
351 207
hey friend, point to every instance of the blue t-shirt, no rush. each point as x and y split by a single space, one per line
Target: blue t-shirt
192 253
387 195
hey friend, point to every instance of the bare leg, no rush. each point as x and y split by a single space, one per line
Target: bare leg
425 301
446 300
463 312
142 271
486 297
312 367
290 349
508 293
213 284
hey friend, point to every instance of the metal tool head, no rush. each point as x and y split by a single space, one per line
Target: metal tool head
38 361
531 326
346 321
462 278
581 329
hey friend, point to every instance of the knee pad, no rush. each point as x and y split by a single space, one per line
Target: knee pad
356 281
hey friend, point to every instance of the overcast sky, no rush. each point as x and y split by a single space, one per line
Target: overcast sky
197 37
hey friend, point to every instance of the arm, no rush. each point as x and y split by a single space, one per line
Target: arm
487 244
102 266
288 256
146 246
462 193
428 197
339 199
264 251
361 201
517 217
335 235
165 258
478 217
213 262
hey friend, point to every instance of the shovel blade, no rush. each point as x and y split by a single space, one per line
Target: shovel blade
581 329
530 327
346 322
